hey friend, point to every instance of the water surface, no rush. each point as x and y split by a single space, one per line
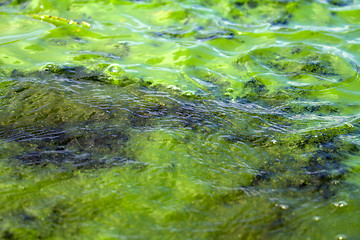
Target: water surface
179 119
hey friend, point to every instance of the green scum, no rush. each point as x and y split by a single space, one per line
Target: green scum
179 119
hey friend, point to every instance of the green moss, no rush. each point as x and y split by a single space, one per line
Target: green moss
45 105
179 119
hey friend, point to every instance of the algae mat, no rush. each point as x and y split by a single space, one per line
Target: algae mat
191 119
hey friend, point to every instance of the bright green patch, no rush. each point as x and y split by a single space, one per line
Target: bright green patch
179 119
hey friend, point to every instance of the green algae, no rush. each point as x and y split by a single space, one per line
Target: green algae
179 119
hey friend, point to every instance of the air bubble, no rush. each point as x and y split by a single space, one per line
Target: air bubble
174 88
340 237
340 204
336 182
188 94
282 206
49 66
115 68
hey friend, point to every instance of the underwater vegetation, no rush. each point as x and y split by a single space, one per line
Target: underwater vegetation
160 119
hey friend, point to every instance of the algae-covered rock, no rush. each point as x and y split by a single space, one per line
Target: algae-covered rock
26 103
294 72
299 66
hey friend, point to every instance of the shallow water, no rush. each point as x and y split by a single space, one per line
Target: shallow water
179 119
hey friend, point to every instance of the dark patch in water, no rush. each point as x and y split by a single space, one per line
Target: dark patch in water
252 4
13 2
239 4
8 235
321 109
284 20
83 148
324 166
207 37
340 3
254 87
140 117
58 42
77 73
